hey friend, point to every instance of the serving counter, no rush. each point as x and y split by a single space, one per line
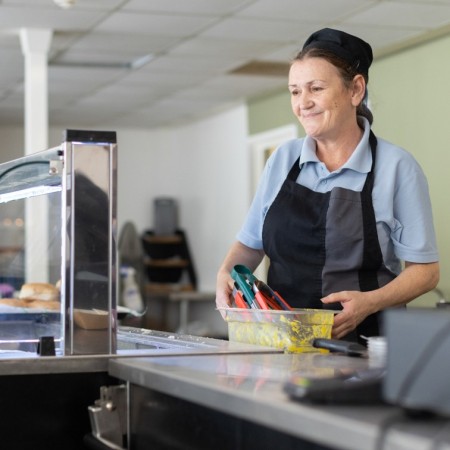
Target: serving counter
238 402
182 392
45 399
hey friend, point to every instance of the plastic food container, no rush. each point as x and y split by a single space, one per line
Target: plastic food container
291 331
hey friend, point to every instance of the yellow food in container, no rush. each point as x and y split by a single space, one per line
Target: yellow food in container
291 331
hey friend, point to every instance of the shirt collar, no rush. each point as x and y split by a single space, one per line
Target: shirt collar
360 160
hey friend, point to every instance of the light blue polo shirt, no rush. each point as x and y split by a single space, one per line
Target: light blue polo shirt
400 195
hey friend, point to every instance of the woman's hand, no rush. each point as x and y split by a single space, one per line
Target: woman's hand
238 254
413 281
355 308
224 289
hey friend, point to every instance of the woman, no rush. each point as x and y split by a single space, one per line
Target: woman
337 211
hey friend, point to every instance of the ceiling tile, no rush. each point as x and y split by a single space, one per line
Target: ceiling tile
155 24
103 5
398 14
128 43
256 30
168 79
207 47
208 7
69 75
122 98
283 53
193 64
49 17
304 11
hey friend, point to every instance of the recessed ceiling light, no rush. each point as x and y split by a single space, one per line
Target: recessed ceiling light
66 4
132 65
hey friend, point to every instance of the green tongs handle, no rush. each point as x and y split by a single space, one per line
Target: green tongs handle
244 278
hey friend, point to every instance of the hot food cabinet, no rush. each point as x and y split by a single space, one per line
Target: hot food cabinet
58 263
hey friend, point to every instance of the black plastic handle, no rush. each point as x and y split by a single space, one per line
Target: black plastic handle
336 345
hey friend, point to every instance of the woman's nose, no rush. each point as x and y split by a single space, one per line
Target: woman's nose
302 101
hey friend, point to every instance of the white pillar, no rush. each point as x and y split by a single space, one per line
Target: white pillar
35 46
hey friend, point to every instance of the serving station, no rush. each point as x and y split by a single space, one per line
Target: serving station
55 349
72 377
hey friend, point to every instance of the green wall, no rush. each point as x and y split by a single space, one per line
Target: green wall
271 111
410 98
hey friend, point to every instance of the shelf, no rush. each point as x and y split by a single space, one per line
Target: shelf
167 260
167 288
170 263
11 249
163 239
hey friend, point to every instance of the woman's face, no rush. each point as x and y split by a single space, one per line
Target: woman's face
322 103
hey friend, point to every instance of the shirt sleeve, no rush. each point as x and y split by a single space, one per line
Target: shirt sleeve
406 207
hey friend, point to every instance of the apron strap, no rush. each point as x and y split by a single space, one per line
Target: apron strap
372 257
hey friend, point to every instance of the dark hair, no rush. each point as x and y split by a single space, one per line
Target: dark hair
347 72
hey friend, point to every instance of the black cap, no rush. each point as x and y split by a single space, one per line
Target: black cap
352 49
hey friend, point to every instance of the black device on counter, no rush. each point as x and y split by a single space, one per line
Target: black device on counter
418 359
336 345
358 387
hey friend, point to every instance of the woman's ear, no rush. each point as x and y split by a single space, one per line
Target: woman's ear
359 89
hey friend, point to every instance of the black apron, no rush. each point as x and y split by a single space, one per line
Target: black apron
320 243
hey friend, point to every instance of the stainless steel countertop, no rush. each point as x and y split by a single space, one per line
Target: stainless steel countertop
133 342
250 386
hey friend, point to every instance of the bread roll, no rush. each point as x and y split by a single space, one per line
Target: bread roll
16 302
52 305
39 291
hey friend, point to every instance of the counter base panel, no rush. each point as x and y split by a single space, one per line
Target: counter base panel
48 411
161 422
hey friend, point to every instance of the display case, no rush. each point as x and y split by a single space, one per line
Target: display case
58 256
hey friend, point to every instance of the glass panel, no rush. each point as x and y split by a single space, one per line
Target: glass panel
30 272
31 175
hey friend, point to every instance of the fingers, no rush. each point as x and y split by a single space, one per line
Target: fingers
224 296
337 297
342 325
223 300
224 289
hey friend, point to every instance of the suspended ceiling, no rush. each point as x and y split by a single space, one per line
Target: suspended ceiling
150 63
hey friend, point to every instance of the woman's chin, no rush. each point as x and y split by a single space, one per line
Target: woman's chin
313 132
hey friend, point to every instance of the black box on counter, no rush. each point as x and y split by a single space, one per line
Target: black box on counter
418 359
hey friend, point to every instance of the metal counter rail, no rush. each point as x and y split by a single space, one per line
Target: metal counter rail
132 342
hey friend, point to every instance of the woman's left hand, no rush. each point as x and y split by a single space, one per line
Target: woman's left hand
414 280
355 309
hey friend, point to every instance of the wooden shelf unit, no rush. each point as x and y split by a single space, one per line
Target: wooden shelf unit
168 263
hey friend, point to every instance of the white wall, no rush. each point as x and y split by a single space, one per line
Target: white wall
204 165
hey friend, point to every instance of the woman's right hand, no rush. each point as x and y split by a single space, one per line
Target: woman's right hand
224 289
238 254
